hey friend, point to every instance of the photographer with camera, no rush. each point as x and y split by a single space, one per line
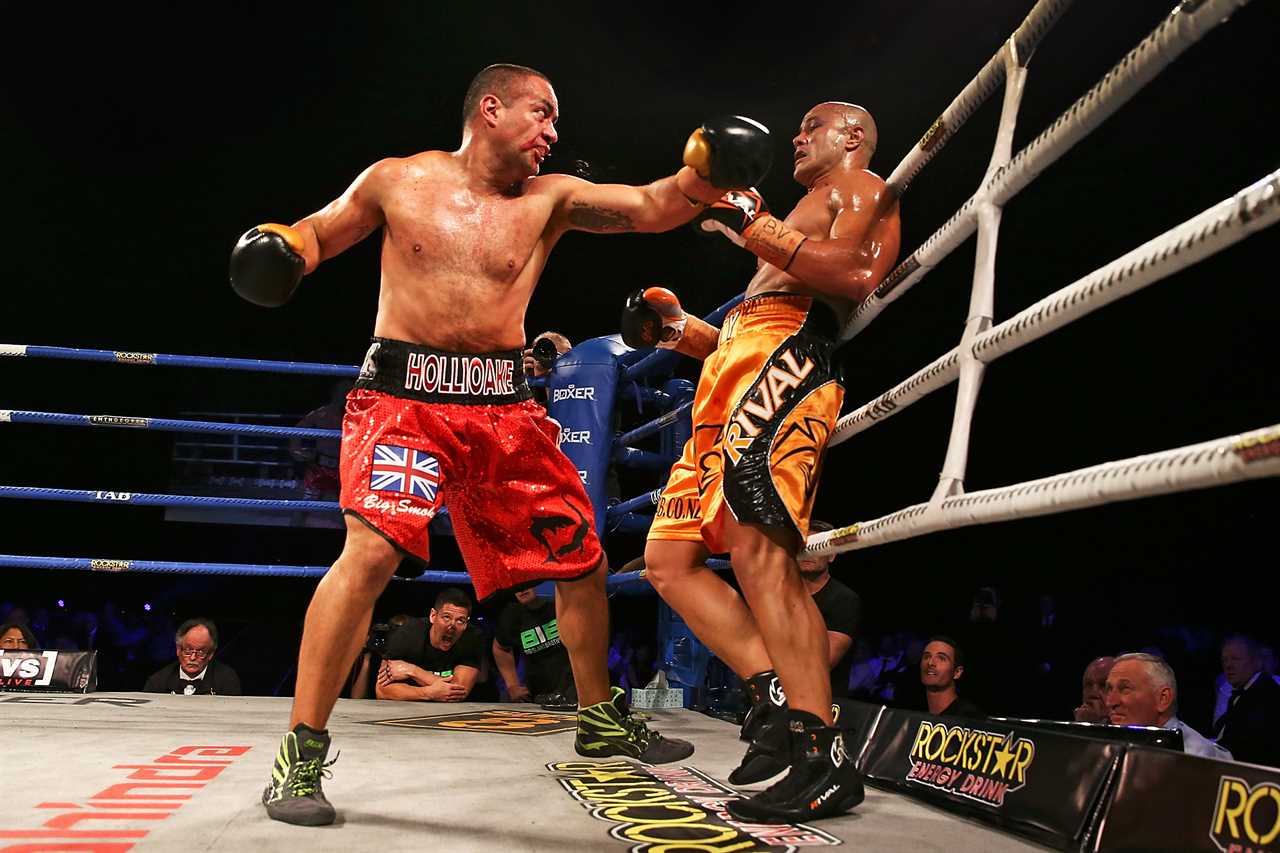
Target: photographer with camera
541 355
363 671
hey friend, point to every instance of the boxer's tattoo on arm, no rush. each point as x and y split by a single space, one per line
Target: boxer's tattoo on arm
594 218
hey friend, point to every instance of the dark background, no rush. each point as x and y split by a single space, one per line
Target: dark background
140 145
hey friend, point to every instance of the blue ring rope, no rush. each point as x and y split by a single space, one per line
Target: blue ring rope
146 499
100 564
163 424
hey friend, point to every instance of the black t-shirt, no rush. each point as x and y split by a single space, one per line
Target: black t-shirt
534 632
412 642
841 609
962 707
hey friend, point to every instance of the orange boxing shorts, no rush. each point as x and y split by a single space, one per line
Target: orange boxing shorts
425 429
767 400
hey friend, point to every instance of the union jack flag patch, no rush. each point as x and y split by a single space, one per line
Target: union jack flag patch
402 469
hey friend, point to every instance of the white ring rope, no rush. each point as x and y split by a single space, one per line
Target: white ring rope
1188 22
1214 463
1225 224
1025 38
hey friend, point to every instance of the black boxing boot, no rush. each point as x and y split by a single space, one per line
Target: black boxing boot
823 781
765 729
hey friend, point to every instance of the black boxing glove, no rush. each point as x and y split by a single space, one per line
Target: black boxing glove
652 317
267 264
744 218
732 152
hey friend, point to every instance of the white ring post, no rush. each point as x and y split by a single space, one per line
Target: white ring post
982 297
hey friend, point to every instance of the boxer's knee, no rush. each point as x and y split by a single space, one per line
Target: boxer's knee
763 558
588 582
668 563
368 560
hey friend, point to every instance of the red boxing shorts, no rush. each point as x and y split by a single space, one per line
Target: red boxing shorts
425 429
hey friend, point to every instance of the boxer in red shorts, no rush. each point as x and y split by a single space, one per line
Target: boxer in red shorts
441 412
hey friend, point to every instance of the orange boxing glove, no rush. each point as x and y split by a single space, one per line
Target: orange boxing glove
652 317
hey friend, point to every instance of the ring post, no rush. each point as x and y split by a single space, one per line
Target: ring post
582 389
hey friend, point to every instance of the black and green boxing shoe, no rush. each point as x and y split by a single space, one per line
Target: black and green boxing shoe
294 795
608 728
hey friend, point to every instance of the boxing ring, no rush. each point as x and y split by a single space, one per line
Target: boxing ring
159 786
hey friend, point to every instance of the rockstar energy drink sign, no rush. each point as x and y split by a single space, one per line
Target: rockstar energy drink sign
1024 778
1246 818
1167 800
976 764
674 808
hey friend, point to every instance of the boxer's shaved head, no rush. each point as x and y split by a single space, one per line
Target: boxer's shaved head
503 80
851 116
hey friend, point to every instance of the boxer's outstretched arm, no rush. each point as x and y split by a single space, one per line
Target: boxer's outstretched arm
348 219
619 208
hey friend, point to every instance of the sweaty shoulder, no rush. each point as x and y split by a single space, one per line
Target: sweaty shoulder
556 186
395 169
857 188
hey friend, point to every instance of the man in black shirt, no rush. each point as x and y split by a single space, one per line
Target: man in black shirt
941 666
436 660
841 610
195 671
529 625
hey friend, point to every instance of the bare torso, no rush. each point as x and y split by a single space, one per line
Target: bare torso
814 216
459 262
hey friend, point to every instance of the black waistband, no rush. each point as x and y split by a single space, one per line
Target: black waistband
820 319
430 375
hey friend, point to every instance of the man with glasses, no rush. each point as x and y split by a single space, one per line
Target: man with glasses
195 672
435 660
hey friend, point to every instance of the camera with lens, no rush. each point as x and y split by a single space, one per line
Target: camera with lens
377 642
544 353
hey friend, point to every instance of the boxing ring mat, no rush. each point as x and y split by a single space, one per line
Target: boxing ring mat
112 772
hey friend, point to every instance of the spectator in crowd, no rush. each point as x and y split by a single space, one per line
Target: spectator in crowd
10 612
901 687
892 650
320 477
994 647
1267 653
1248 728
195 671
941 666
864 672
1143 691
528 626
437 659
985 606
1093 692
16 635
841 610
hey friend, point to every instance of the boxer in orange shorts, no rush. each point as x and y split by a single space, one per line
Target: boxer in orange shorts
441 412
767 399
